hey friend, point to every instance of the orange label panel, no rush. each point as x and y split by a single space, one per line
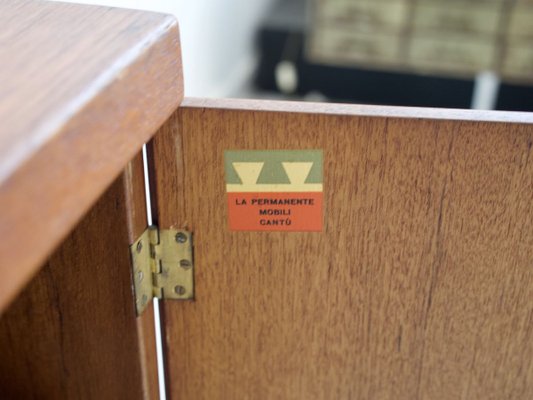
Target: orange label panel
275 211
274 190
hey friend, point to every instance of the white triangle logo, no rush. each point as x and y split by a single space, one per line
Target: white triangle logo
248 171
297 171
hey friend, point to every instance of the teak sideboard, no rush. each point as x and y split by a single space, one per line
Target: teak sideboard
417 283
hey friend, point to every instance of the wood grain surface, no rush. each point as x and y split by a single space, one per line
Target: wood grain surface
82 88
419 287
73 333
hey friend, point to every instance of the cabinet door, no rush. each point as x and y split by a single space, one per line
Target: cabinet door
73 333
418 284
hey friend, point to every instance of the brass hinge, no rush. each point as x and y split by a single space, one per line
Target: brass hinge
162 265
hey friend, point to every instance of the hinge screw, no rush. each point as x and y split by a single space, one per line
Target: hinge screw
139 246
180 290
181 237
185 264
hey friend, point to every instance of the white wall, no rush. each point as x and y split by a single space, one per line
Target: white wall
217 38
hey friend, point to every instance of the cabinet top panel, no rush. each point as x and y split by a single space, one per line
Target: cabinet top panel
57 58
81 89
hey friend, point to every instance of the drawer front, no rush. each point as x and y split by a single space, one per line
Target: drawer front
521 23
366 15
462 54
457 17
338 45
519 61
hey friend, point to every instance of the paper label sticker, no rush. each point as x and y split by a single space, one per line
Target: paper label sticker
274 190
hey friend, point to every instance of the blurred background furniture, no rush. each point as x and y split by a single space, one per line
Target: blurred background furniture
402 52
